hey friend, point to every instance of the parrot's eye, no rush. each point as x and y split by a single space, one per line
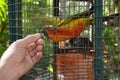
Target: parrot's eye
51 29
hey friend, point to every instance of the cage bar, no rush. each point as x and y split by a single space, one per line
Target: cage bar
15 19
98 63
12 20
19 19
55 44
60 60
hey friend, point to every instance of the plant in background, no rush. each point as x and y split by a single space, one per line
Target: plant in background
3 26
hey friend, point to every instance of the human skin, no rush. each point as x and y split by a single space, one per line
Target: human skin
20 57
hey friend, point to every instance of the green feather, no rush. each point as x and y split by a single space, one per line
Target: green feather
71 17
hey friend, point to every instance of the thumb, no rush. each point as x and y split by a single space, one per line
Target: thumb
30 39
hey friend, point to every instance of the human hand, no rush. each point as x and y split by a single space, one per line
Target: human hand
20 57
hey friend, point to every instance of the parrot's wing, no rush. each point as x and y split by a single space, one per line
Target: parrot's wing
75 16
69 18
65 20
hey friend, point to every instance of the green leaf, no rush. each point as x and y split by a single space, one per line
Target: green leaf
1 49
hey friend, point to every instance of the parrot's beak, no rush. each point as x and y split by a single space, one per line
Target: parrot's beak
43 31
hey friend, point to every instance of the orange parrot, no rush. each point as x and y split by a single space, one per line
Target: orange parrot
67 28
71 27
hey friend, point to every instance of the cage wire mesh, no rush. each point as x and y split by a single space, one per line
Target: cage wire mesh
75 48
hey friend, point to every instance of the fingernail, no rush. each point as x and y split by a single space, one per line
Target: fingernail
37 34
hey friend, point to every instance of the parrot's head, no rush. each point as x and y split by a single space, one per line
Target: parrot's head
44 31
47 31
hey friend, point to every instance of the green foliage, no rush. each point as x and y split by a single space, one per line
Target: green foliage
109 35
109 7
3 9
3 14
3 26
112 48
111 41
1 49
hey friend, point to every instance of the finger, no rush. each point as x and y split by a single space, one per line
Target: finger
40 42
37 49
37 57
30 39
37 78
31 46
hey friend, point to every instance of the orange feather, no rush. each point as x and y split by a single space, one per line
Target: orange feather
67 30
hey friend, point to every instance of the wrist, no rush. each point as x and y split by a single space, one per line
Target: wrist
6 73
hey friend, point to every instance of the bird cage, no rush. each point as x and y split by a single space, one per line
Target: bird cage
81 37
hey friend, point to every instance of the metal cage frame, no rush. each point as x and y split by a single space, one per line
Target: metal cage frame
98 64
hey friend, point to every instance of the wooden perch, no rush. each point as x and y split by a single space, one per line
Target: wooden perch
107 18
91 11
87 14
